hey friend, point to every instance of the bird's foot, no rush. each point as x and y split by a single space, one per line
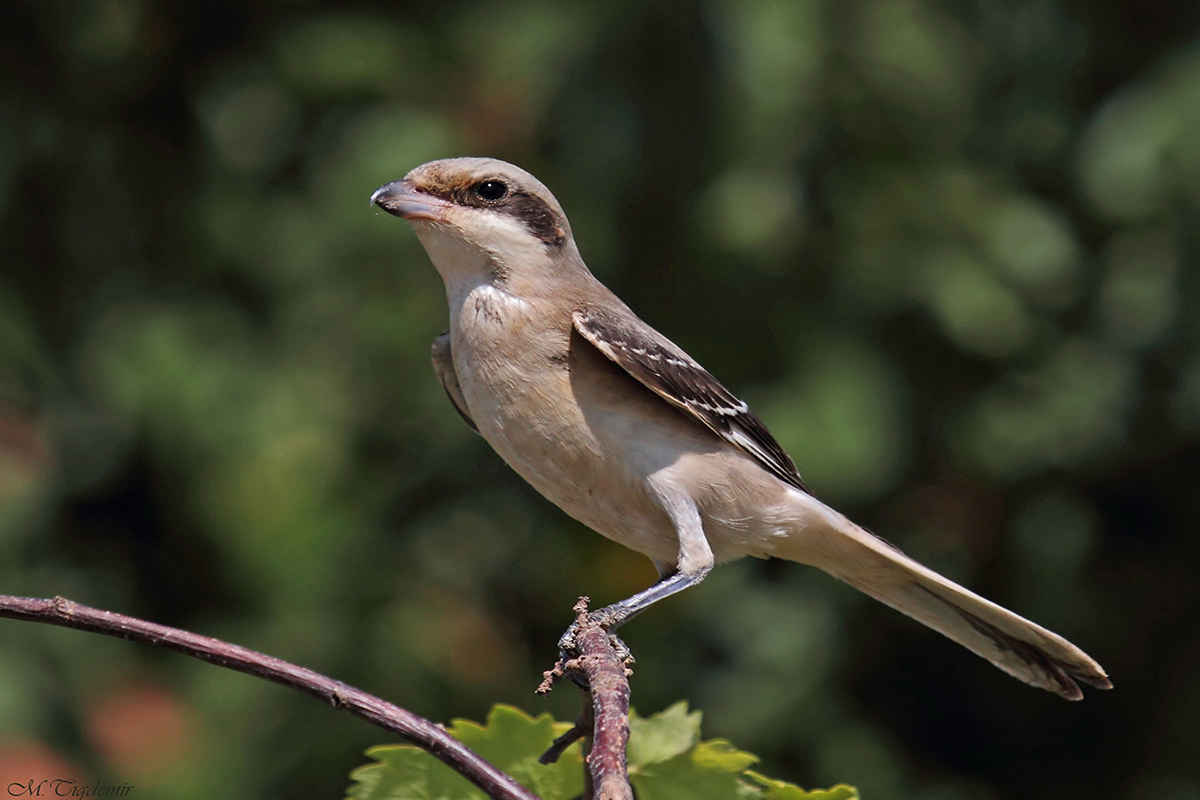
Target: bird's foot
568 645
606 619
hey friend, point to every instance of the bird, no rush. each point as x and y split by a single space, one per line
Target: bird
625 432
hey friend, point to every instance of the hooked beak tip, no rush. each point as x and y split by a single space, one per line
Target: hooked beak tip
403 199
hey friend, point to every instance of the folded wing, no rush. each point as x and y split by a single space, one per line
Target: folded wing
673 375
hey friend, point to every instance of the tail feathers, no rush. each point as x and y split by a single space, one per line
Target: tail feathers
1021 648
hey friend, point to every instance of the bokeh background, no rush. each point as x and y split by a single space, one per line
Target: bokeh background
946 249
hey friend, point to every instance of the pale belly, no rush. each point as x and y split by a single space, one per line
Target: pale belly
572 460
590 439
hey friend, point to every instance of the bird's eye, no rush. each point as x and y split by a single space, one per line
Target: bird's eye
492 190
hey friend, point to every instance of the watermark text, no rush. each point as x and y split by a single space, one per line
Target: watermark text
68 787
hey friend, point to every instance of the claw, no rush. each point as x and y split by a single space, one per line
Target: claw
605 618
566 642
624 654
568 665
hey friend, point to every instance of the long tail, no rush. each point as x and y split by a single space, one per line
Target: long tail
1021 648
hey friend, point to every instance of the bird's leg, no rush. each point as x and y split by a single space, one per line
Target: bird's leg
694 563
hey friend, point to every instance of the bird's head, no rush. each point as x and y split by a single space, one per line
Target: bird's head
478 216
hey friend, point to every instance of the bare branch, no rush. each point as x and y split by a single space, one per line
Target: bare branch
605 675
408 726
583 727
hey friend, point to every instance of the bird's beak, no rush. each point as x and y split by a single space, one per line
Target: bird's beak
403 199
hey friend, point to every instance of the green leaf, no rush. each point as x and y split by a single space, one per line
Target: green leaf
667 761
405 772
662 736
511 740
782 790
711 769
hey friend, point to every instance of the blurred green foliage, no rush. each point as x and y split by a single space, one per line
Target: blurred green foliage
946 249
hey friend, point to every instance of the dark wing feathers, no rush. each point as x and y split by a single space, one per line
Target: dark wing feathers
443 365
672 374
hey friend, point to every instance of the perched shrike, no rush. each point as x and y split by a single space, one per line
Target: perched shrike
624 431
